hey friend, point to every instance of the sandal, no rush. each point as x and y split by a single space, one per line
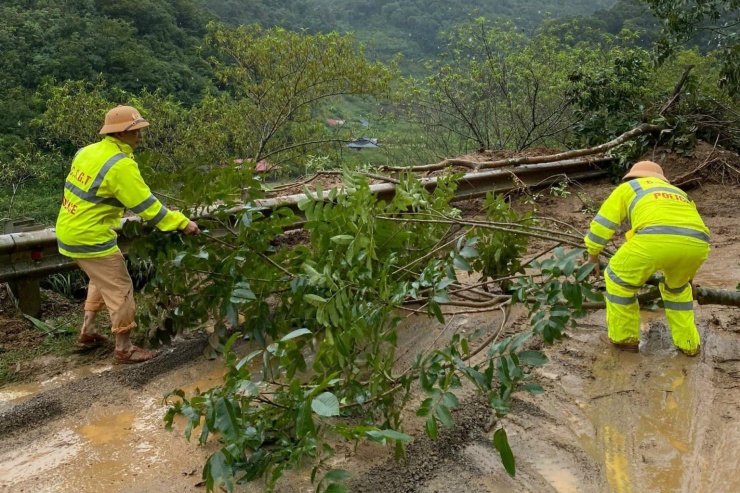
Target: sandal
133 355
89 341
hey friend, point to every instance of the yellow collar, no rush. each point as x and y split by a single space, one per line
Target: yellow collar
125 148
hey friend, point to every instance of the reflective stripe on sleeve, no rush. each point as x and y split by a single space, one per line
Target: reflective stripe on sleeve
100 247
160 215
144 205
597 239
678 305
614 277
606 222
620 300
674 230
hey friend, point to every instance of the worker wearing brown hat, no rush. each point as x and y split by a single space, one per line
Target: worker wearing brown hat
666 234
104 181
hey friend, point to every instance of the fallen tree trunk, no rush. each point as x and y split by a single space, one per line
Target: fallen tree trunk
708 296
704 296
635 132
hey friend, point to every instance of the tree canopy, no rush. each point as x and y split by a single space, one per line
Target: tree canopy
147 44
717 21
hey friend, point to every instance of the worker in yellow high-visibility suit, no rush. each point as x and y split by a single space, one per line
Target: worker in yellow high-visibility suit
666 234
103 182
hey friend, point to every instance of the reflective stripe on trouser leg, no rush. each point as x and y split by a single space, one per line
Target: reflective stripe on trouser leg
622 313
679 305
110 277
94 301
679 310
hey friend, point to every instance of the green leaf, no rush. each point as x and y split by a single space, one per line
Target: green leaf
217 472
382 435
584 270
315 300
532 358
520 339
450 400
337 475
434 306
431 427
460 263
342 239
444 415
533 388
295 333
226 420
326 405
242 295
469 252
591 294
248 358
500 406
178 259
40 325
501 442
231 341
304 421
248 388
336 488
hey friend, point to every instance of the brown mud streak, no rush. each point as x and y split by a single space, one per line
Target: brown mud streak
81 394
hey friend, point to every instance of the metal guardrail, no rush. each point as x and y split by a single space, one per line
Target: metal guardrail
30 256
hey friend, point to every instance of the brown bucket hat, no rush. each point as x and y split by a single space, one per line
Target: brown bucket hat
123 119
646 169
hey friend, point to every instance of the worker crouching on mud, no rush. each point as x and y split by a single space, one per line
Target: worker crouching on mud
667 234
103 182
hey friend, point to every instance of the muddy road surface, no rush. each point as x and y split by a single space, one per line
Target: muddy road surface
609 421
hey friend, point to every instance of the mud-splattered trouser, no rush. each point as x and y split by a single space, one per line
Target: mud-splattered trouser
110 287
678 257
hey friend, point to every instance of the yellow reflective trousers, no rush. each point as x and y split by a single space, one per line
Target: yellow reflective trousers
679 258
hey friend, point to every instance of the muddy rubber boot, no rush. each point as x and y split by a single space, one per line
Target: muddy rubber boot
691 354
632 347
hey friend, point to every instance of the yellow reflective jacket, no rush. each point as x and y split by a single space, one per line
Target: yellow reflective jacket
652 206
103 182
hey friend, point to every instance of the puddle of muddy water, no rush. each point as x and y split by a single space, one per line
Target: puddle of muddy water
651 411
558 475
117 448
57 450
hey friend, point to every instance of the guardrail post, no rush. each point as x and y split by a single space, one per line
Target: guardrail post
26 291
28 294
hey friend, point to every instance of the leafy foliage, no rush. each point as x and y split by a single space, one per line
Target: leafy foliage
322 316
685 19
500 252
612 96
412 26
496 88
18 167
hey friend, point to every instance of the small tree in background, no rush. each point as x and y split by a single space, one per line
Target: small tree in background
20 167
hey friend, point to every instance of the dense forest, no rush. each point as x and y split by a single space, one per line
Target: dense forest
153 44
178 56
